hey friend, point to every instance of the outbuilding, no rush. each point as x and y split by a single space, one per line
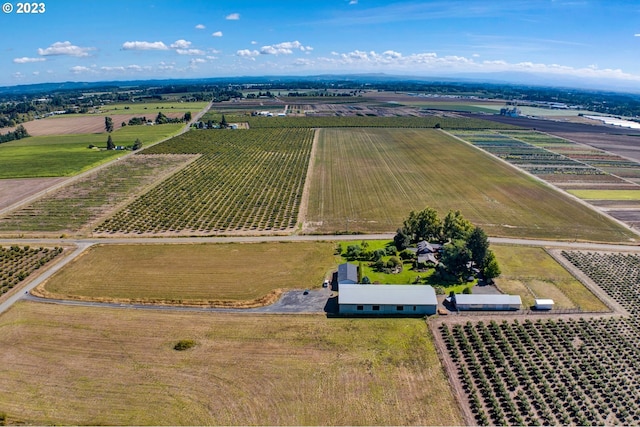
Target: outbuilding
347 273
487 302
544 304
397 300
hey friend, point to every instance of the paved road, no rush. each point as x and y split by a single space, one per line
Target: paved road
290 302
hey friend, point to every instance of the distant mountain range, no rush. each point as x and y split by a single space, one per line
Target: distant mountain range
503 78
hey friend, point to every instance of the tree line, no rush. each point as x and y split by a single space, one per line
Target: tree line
19 133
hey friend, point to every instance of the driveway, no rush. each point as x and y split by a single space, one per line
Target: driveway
291 302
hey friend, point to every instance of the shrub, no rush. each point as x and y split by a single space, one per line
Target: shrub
184 345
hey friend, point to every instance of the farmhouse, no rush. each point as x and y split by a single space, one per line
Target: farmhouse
487 302
347 274
405 300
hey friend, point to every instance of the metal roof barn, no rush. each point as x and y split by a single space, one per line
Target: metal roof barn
387 299
488 302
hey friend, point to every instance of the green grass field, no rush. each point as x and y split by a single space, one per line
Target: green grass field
65 365
532 273
199 273
68 155
367 180
606 194
152 107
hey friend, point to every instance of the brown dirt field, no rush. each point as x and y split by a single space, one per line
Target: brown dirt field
63 125
14 190
88 366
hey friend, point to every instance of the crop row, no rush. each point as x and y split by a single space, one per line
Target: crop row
75 205
249 180
17 263
618 274
532 158
573 372
363 121
557 372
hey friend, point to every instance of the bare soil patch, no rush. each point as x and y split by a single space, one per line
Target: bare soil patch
13 191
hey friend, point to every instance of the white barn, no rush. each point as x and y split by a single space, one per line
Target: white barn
405 300
487 302
544 304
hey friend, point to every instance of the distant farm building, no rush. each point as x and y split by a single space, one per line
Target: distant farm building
347 274
487 302
404 300
544 304
510 112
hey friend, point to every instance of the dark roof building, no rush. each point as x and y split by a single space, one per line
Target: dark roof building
347 273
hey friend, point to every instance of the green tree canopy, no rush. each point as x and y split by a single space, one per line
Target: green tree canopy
110 144
456 257
491 268
108 124
423 225
455 226
478 244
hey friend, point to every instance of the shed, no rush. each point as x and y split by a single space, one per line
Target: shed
544 304
487 302
397 300
347 273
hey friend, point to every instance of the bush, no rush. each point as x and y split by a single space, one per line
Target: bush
184 345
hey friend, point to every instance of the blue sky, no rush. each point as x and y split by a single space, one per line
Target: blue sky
89 40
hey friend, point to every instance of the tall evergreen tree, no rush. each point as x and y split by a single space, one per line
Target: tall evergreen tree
110 144
108 124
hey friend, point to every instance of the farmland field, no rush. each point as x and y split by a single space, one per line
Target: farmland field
607 194
367 180
87 366
554 371
364 121
76 205
245 181
532 273
219 274
19 262
67 155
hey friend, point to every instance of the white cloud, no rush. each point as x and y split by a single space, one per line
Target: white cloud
137 45
190 52
80 69
196 61
200 27
233 17
254 42
392 54
353 2
636 35
26 60
65 48
246 53
113 68
285 48
180 44
36 73
217 34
